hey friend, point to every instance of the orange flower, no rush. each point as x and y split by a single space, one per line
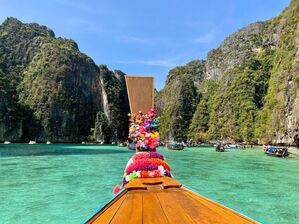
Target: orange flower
144 174
159 162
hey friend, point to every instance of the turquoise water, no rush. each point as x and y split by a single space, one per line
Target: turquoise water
66 183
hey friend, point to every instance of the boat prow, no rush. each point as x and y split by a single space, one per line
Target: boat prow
164 200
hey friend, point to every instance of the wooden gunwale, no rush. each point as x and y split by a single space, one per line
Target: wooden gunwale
164 200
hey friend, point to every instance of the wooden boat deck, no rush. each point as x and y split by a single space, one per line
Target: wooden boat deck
164 200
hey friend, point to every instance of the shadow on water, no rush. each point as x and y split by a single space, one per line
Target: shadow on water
57 152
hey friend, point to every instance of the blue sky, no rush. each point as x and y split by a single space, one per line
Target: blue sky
143 37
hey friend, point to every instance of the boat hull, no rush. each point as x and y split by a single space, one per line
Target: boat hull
132 146
277 154
177 147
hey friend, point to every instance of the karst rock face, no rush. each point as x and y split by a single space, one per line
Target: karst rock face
49 89
247 88
112 122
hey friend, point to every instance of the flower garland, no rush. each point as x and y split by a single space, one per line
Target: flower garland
143 130
144 165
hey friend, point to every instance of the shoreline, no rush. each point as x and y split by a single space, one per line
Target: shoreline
110 144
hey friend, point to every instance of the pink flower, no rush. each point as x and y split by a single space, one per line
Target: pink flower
116 189
157 173
141 155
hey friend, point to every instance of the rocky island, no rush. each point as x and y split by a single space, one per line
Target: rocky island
245 91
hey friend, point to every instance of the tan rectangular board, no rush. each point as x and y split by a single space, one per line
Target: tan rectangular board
140 92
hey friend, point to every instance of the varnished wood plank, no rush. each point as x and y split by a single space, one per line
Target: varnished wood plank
153 180
107 216
130 210
156 204
136 184
108 210
173 211
152 210
141 183
170 182
231 215
154 188
199 212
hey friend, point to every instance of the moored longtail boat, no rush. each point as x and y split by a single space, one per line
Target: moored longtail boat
150 194
175 146
278 152
131 146
219 148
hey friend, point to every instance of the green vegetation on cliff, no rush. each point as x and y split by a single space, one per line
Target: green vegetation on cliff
177 102
49 90
58 87
248 91
198 130
234 108
16 51
272 122
116 106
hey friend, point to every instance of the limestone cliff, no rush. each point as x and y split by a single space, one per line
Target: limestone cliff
112 123
248 86
49 90
176 103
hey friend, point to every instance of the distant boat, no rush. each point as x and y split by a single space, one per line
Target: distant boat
121 144
278 152
219 148
175 146
131 146
48 143
112 143
32 142
234 147
83 143
7 142
231 146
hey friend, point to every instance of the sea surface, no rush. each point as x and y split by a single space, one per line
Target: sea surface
66 183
